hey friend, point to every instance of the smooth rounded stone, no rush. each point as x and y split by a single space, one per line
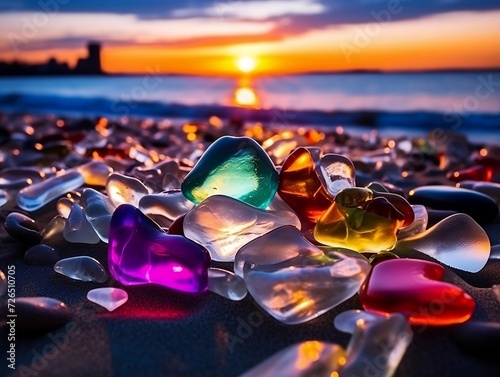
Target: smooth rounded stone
226 284
122 189
98 210
348 321
479 206
222 225
418 225
53 232
495 252
478 338
64 206
36 315
295 281
457 241
78 229
109 298
3 198
41 255
170 204
301 187
237 167
22 228
19 177
382 343
306 359
140 252
95 173
436 215
170 182
337 172
3 283
491 189
496 291
36 196
376 186
414 288
82 268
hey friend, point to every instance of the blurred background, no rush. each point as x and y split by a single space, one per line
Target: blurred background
400 66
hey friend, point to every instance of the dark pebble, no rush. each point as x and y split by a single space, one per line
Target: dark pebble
37 315
22 228
41 254
478 338
480 207
177 227
436 215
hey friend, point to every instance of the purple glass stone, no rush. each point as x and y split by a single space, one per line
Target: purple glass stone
140 252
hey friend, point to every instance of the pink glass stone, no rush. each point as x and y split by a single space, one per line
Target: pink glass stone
140 252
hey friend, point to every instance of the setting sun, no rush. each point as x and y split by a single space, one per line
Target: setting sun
246 64
245 97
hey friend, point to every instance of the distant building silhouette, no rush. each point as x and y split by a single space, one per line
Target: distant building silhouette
90 65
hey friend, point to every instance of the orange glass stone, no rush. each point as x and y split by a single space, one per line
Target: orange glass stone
415 289
301 188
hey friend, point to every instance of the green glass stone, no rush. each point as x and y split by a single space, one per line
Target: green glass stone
233 166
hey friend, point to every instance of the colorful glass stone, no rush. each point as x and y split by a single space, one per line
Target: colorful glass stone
337 172
418 225
301 187
415 289
122 189
226 284
82 268
95 173
36 196
140 252
457 241
109 298
233 166
348 321
98 210
295 281
222 225
359 221
78 229
170 204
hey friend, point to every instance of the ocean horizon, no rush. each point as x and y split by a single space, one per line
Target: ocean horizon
406 103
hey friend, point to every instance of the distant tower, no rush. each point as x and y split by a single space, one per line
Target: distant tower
91 65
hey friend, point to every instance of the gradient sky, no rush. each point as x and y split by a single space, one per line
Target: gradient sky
284 36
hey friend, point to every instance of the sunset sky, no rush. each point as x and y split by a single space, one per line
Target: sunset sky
282 36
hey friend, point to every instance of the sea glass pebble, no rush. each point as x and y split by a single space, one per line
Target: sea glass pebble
233 166
19 177
295 281
309 358
36 315
53 232
347 321
170 204
109 298
22 228
95 173
64 207
98 210
78 229
226 284
418 225
122 189
457 241
479 206
360 221
415 289
37 195
82 268
382 343
491 189
41 255
301 187
140 252
337 172
222 225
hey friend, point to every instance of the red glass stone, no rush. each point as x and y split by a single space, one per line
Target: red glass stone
475 173
415 289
